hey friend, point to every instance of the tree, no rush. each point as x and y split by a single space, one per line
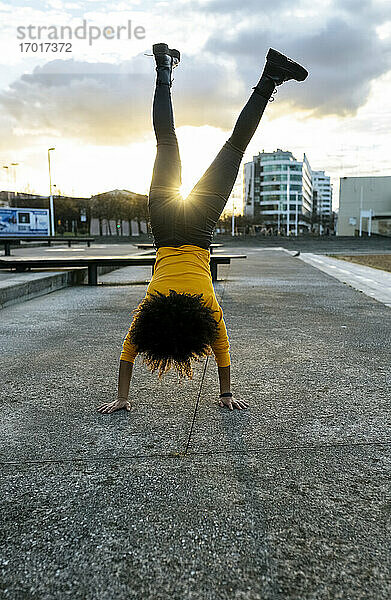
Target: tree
242 221
24 200
66 209
119 205
140 203
103 208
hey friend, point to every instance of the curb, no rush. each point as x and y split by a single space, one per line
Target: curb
21 291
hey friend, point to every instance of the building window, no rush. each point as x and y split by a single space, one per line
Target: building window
273 188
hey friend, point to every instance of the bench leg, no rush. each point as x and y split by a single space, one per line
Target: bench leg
69 243
88 244
213 270
49 243
7 249
92 274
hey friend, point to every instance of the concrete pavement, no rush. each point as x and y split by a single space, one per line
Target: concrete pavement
60 250
372 282
287 500
315 244
18 287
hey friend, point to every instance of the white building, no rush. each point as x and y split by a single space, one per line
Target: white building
321 183
235 201
269 180
323 199
368 198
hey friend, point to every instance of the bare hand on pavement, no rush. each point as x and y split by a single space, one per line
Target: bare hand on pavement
231 403
109 407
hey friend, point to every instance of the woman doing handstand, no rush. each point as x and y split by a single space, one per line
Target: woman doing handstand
180 319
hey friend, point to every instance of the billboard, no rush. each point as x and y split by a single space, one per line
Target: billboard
24 222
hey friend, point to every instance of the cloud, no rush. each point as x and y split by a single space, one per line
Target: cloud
111 103
75 99
342 56
233 6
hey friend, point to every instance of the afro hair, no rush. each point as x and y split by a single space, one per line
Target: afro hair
172 330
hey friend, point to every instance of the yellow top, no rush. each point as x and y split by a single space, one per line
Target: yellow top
185 269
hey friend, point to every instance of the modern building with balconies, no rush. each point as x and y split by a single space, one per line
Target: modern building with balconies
269 181
322 200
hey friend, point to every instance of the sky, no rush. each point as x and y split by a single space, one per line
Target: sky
91 101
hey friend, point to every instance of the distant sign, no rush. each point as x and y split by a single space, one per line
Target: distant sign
24 221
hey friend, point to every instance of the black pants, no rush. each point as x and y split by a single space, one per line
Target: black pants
174 220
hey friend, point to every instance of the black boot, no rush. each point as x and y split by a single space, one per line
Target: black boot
278 68
166 60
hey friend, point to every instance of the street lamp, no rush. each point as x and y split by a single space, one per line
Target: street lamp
14 176
8 181
51 196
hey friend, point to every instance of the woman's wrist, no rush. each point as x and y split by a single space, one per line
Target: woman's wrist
225 379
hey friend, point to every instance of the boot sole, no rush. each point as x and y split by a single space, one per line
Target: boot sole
175 53
280 60
164 49
160 49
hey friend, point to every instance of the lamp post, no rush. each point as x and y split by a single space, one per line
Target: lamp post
8 179
297 214
14 177
51 196
233 217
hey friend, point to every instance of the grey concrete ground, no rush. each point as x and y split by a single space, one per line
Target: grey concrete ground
60 250
317 245
287 500
18 287
372 282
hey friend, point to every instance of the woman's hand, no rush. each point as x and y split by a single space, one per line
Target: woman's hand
109 407
232 403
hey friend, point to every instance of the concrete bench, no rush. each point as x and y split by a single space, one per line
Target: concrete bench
152 247
7 241
22 263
